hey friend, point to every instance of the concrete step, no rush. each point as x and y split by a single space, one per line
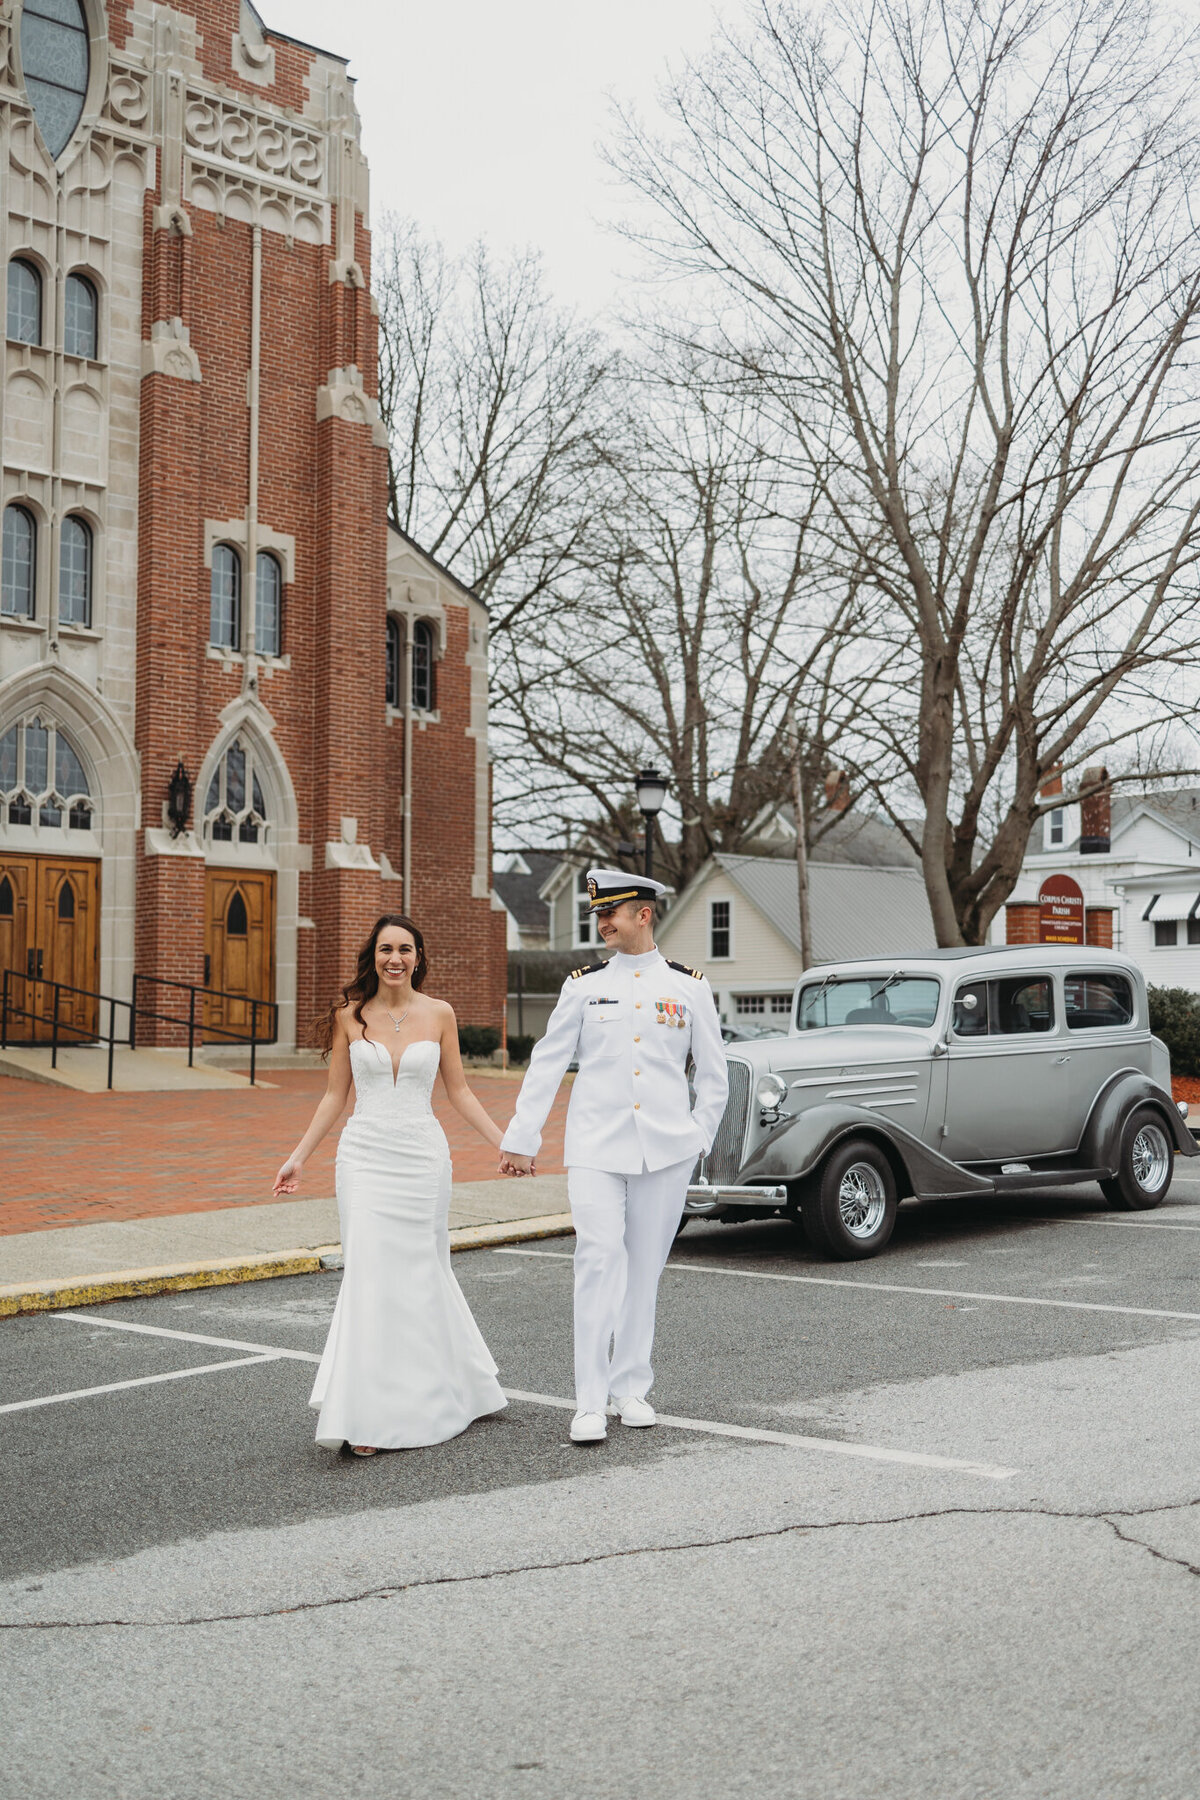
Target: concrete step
85 1069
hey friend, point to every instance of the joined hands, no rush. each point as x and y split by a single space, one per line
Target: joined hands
513 1163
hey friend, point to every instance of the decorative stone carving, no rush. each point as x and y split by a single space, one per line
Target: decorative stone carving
128 99
168 351
253 57
344 397
229 133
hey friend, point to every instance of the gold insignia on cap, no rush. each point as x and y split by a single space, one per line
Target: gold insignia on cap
591 886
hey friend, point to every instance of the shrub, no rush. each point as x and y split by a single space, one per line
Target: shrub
1175 1018
520 1049
478 1040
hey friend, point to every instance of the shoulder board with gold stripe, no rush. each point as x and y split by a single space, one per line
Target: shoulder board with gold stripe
588 969
696 974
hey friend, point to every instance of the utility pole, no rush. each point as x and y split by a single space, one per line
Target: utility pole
806 948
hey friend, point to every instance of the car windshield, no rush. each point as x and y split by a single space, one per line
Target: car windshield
868 1000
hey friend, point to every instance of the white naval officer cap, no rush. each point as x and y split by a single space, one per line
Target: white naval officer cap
608 887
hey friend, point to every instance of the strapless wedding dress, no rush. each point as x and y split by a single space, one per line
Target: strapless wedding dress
404 1363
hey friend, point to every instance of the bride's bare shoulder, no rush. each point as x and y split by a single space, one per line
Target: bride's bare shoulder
443 1008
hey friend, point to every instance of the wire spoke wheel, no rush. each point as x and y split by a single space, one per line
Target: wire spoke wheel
1150 1158
862 1200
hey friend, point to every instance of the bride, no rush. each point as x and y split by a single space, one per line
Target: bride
404 1363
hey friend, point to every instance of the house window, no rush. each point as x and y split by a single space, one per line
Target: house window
268 605
24 302
1056 825
42 780
422 666
234 807
750 1003
720 929
75 573
54 59
392 679
225 598
1193 932
80 316
585 920
1166 933
20 563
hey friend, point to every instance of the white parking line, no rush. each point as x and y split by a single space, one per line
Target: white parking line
114 1387
793 1441
711 1427
891 1287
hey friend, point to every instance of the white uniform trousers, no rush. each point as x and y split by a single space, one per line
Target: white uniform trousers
624 1228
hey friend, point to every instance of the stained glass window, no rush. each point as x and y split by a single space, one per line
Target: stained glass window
42 779
235 807
55 58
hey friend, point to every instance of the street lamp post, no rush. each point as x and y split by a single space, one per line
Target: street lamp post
651 792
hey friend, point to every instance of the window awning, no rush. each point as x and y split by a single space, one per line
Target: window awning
1181 905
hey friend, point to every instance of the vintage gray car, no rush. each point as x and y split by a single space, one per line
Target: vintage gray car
945 1075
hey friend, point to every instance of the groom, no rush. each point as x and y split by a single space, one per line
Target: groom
632 1135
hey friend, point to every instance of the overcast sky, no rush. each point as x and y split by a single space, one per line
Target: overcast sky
482 116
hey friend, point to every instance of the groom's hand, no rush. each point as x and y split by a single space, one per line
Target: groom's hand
513 1163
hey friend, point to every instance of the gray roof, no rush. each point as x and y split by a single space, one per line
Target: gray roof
520 893
856 911
845 837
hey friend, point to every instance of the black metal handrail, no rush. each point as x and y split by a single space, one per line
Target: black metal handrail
8 1009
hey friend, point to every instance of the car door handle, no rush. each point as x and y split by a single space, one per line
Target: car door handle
1061 1059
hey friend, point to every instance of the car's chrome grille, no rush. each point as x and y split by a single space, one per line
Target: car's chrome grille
724 1160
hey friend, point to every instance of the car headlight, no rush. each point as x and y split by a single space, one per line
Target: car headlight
770 1092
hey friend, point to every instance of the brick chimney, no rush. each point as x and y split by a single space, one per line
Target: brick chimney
1095 832
837 790
1051 786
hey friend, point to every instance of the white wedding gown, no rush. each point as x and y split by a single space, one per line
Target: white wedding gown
404 1363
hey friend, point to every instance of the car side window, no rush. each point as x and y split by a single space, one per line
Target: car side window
1022 1003
970 1016
1096 1000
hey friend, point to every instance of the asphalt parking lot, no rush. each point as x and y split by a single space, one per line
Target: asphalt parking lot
926 1525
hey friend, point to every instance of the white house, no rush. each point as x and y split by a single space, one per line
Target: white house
738 920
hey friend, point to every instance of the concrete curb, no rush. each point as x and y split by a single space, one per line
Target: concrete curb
229 1271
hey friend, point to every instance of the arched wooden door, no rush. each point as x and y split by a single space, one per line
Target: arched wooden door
50 932
239 950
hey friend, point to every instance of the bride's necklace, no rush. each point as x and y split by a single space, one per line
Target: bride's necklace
397 1022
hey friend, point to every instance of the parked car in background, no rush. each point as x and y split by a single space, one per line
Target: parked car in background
945 1075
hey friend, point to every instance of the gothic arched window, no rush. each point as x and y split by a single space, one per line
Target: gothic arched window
80 318
268 605
24 319
235 808
225 603
75 573
42 780
19 563
55 57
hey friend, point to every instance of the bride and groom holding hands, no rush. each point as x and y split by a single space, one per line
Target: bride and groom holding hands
404 1363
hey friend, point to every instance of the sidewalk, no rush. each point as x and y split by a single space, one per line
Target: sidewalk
108 1194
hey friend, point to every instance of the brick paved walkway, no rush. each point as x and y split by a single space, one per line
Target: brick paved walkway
71 1159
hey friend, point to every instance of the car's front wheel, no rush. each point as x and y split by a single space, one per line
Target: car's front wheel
848 1208
1145 1164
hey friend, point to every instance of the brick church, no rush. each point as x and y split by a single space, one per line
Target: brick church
240 715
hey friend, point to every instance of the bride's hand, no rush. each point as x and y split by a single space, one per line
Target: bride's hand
288 1178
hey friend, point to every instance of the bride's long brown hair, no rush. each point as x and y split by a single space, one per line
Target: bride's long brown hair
365 984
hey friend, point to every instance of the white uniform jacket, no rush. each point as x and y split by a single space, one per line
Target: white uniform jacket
632 1022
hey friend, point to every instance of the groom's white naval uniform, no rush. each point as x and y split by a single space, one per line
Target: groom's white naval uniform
632 1136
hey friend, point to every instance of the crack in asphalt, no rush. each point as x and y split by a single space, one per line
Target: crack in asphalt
393 1589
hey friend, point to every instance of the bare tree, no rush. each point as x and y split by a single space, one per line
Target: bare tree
960 236
703 639
492 399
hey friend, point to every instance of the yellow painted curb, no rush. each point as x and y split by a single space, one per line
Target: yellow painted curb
230 1271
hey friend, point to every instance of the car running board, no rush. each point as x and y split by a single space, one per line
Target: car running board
1039 1178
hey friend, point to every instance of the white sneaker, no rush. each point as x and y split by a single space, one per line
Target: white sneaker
588 1428
635 1412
